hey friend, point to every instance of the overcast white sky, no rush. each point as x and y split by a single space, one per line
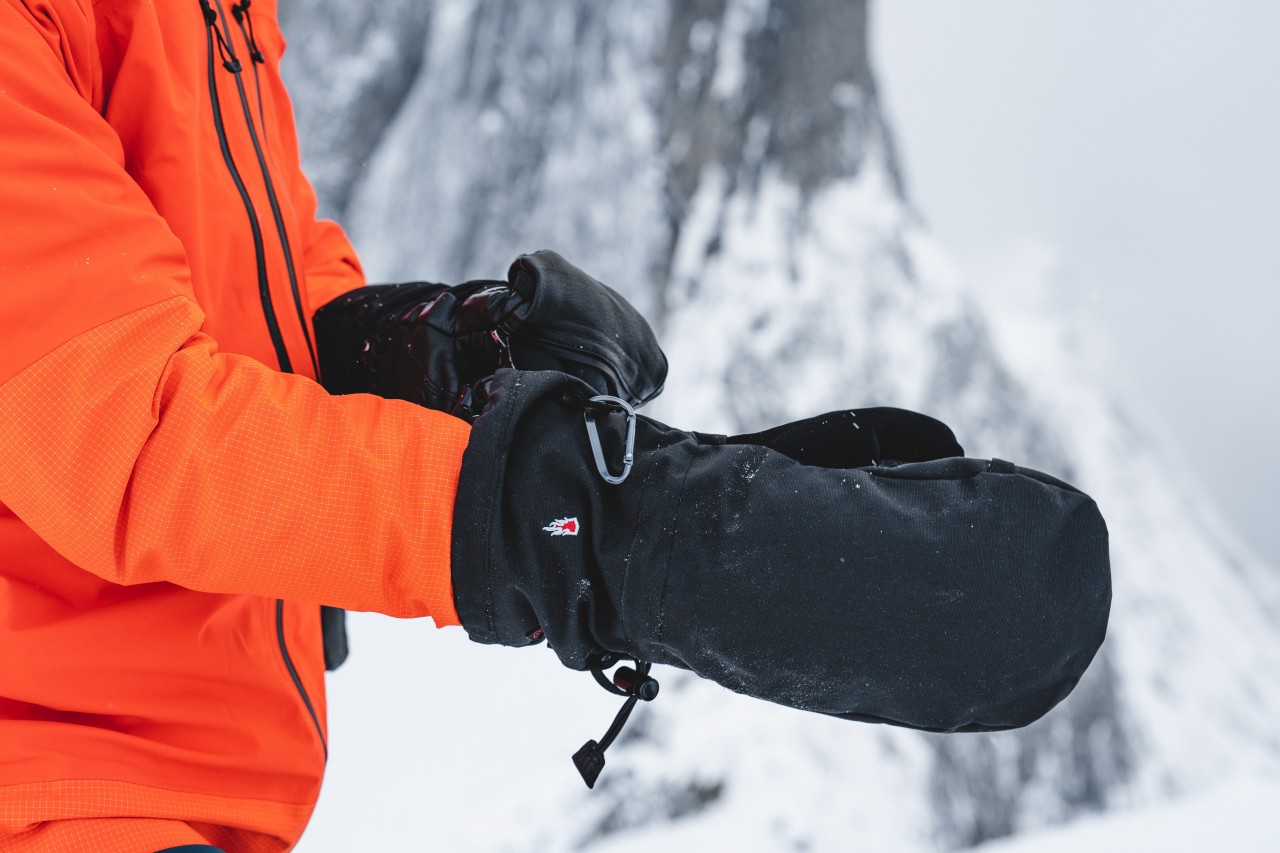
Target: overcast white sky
1140 142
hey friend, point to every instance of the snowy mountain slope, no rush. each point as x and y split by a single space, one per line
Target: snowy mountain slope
1239 817
726 165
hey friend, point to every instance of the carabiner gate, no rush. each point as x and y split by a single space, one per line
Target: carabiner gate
593 435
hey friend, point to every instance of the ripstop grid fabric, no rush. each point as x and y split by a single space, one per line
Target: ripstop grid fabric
94 815
159 459
117 835
143 455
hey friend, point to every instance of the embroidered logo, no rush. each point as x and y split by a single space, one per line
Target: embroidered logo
563 527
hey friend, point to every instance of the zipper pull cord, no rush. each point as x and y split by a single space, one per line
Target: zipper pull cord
241 12
229 60
636 684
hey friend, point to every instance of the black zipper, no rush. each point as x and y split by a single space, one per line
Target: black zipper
232 64
264 292
241 13
293 673
275 210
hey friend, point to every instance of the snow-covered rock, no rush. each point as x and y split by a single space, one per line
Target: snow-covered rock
726 164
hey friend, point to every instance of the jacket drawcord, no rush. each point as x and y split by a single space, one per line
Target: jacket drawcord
241 12
229 60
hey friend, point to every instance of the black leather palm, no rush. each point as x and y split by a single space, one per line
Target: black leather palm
431 343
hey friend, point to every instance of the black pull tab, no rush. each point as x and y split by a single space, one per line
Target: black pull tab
636 684
590 761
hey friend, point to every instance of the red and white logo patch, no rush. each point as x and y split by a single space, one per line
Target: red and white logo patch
563 527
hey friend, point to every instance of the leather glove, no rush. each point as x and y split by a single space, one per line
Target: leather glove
852 564
437 345
432 343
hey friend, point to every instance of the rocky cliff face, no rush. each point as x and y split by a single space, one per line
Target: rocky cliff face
727 165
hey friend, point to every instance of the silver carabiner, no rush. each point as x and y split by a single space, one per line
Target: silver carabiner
593 435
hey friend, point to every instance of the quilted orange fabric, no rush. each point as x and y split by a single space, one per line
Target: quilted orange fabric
177 494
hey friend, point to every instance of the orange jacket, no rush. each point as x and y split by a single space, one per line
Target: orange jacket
174 504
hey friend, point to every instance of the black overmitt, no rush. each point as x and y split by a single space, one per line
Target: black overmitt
432 344
947 594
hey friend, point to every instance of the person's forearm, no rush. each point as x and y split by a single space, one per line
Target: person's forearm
142 454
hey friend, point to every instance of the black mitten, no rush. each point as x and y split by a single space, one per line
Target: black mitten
952 594
431 343
855 438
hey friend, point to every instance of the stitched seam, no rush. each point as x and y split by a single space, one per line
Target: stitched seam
21 788
498 464
660 629
131 313
635 537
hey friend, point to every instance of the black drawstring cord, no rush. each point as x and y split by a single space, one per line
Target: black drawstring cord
229 60
241 12
636 684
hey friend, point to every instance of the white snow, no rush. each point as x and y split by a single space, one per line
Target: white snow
840 300
1240 816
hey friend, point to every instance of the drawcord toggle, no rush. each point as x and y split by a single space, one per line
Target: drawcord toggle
635 684
241 12
229 60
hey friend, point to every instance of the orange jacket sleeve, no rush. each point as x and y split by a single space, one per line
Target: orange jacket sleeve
135 448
